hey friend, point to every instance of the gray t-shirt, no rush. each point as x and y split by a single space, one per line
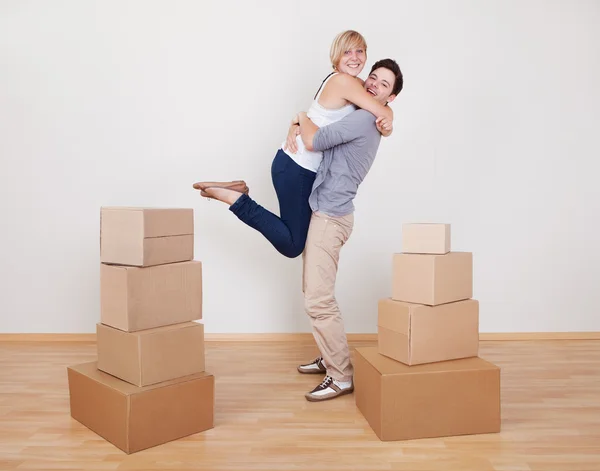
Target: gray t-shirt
349 147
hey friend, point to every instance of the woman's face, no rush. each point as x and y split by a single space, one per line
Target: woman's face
352 61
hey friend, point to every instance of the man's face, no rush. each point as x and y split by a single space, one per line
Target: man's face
380 84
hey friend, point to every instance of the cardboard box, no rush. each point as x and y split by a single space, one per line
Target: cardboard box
426 238
153 355
400 402
415 334
432 279
133 418
134 298
146 236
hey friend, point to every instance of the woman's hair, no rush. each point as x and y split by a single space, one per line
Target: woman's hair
344 41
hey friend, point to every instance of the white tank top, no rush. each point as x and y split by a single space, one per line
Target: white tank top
321 117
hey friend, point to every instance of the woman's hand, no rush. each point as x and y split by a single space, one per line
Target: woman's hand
384 126
290 142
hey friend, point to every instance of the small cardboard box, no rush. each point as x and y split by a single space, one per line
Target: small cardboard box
133 418
426 238
146 236
415 333
153 355
449 398
138 298
432 279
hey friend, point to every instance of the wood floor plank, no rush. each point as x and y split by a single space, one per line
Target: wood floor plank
550 393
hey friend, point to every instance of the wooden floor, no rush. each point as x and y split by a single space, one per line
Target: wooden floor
550 415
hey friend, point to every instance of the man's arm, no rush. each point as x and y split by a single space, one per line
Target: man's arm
345 130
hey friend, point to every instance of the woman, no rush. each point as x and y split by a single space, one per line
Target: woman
294 167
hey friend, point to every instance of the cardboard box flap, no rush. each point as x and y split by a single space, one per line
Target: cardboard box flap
91 370
387 366
154 330
153 222
395 315
164 266
166 222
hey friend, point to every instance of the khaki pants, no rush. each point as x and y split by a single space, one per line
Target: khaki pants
326 236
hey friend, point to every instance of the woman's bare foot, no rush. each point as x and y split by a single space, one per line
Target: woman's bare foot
222 194
237 185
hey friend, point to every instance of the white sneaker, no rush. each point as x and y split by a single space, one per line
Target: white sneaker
329 389
316 366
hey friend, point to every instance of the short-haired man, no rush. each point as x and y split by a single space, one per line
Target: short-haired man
349 147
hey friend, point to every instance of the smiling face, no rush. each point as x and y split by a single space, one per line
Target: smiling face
380 84
353 61
348 53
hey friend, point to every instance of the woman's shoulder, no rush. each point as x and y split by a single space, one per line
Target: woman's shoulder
340 79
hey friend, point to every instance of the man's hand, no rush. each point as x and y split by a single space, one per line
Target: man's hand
308 130
290 142
384 126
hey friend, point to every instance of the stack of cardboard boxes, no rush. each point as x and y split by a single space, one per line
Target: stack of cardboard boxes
424 378
149 385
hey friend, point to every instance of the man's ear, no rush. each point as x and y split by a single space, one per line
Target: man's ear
391 98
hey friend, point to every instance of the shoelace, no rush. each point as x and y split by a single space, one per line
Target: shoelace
326 382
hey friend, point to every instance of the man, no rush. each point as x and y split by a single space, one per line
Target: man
349 147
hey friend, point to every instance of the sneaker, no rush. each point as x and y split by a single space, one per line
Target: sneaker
316 366
329 389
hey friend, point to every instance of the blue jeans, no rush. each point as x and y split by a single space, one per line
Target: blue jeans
293 185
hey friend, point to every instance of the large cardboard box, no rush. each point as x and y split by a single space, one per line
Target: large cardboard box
432 279
146 236
133 418
153 355
415 333
134 298
426 238
400 402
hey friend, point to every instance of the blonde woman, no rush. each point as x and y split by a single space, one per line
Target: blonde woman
294 167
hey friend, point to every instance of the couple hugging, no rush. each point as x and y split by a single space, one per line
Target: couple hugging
316 174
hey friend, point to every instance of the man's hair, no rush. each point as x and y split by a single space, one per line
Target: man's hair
393 67
344 41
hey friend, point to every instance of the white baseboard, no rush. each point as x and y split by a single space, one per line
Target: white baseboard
304 337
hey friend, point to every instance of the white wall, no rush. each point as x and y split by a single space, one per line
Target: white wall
128 103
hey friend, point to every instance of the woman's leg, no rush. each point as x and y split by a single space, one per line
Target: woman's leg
293 185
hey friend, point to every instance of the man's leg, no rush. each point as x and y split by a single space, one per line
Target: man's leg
326 236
